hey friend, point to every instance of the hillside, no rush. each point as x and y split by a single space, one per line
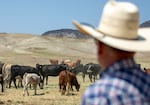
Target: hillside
69 33
29 49
145 24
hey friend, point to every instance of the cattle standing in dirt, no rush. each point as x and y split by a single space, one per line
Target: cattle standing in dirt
92 70
67 80
50 70
18 70
19 81
33 79
6 72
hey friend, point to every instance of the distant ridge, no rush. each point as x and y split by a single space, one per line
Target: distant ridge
65 33
145 24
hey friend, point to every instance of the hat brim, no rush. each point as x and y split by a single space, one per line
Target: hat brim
141 44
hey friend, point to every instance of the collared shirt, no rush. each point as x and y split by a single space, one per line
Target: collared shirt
122 83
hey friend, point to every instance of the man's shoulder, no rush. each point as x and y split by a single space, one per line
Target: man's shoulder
114 90
112 86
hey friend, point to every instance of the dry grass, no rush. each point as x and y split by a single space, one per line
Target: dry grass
29 50
37 49
50 95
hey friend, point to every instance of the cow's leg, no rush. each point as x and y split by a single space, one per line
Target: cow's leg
2 87
68 88
6 86
46 80
83 76
41 84
25 89
43 79
20 82
90 77
9 82
2 84
94 78
63 89
71 87
34 87
59 87
15 83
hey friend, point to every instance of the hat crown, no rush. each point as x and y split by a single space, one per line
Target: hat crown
120 19
119 28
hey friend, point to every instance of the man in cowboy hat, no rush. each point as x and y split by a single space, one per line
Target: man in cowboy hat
118 37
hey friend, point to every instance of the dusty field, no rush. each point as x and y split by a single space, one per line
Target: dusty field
28 50
50 95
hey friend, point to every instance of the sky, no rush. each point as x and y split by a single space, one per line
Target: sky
39 16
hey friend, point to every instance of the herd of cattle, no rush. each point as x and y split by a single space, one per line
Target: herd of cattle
66 70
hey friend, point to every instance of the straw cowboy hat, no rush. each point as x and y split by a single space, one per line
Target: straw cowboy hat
119 28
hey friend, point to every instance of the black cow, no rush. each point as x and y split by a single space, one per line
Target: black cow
50 70
19 70
1 66
77 69
92 70
2 82
1 77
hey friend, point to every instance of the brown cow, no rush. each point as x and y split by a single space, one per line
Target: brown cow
53 61
67 80
71 64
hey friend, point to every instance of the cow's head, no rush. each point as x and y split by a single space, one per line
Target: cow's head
39 67
77 87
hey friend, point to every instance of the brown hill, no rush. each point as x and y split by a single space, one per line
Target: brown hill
29 49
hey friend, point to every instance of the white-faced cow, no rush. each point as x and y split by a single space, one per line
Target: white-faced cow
19 70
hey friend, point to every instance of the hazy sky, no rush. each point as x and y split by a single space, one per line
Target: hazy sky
39 16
